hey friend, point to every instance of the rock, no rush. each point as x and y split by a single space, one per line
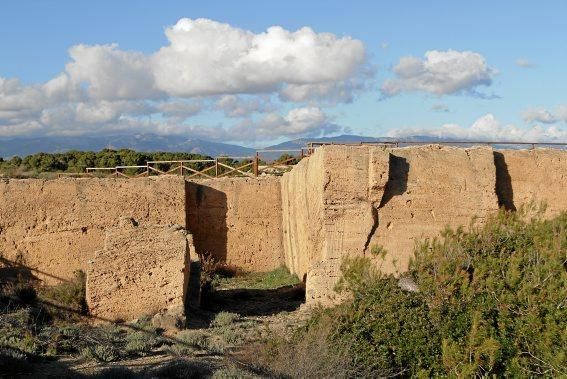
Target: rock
170 319
408 284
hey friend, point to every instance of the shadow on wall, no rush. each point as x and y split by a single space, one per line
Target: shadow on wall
206 219
397 179
12 270
504 190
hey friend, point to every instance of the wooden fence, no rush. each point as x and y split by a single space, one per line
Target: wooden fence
265 162
224 166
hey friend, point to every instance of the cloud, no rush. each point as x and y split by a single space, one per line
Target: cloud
331 92
539 115
545 116
205 65
524 63
298 122
110 73
236 106
205 57
487 128
440 73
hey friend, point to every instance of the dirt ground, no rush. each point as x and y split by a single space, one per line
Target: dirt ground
258 314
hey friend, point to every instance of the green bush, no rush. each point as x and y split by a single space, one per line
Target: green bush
498 295
490 302
140 343
388 330
193 338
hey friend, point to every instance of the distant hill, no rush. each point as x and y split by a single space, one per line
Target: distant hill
346 138
140 142
174 143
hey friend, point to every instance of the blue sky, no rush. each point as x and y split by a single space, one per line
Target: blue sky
514 50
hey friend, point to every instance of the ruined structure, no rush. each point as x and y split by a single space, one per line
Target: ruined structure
142 269
340 201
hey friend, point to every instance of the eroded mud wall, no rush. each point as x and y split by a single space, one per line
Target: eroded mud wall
526 176
329 211
237 220
55 226
142 269
345 200
431 187
329 204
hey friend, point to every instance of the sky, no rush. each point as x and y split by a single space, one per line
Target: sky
257 72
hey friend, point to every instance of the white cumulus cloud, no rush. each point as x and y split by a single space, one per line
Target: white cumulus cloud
205 57
487 128
440 73
236 106
205 65
306 121
545 116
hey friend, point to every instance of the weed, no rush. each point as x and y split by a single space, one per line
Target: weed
230 335
140 343
224 319
194 338
70 294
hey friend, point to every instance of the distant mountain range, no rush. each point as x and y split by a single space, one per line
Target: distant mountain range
140 142
153 142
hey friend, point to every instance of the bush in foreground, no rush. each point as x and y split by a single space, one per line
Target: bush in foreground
491 301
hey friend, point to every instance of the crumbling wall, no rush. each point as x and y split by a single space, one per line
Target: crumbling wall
142 270
538 175
371 196
429 188
55 226
237 220
329 211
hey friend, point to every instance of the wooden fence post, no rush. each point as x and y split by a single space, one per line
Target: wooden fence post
216 167
256 163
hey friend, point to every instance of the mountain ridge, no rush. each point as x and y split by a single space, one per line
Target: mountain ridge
148 142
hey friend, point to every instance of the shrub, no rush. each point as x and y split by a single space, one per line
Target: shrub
389 330
230 336
225 319
498 295
71 294
194 338
140 343
490 302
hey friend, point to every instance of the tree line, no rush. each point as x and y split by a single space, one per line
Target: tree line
78 161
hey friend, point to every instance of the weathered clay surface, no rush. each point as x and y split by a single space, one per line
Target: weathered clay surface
538 175
142 270
237 220
55 226
371 196
431 187
341 201
329 212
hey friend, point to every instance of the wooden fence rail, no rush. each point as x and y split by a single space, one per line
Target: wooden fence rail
264 162
224 166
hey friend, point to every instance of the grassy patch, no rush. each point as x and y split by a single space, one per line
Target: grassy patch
225 319
280 277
